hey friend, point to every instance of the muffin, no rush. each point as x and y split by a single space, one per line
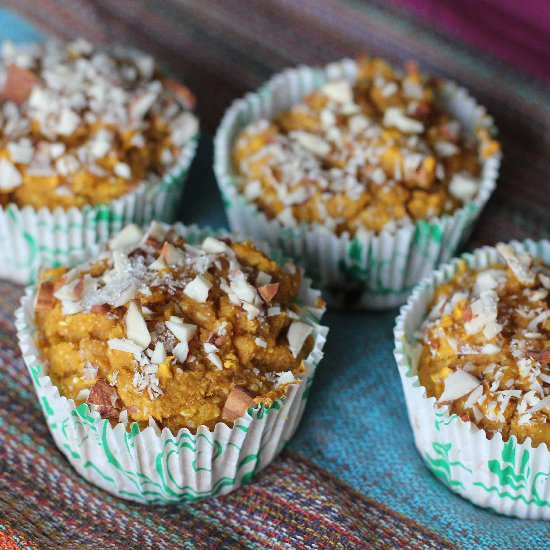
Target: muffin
180 340
369 175
473 350
93 138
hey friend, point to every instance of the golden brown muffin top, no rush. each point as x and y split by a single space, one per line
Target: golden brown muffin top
486 347
374 154
84 125
186 334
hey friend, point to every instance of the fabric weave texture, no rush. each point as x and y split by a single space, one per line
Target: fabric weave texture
351 477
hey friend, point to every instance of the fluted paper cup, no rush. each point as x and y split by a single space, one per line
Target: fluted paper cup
509 477
160 467
379 270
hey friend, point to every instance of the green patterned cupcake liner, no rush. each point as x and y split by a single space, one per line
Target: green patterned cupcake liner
30 238
506 476
159 467
374 271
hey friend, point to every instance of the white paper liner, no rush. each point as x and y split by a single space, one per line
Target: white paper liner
379 269
158 467
31 238
509 477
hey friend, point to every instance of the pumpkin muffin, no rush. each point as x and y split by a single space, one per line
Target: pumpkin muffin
485 347
83 125
185 334
374 154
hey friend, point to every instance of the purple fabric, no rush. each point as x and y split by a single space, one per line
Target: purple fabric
516 32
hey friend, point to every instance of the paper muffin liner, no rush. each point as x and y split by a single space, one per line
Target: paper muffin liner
506 476
158 467
380 269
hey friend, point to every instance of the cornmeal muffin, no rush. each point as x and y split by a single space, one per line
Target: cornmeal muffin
82 125
373 154
486 347
185 334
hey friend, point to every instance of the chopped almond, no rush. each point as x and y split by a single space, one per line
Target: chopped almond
237 403
106 398
181 92
45 299
268 292
542 356
19 84
100 309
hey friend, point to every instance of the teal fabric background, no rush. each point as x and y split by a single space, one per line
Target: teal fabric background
356 425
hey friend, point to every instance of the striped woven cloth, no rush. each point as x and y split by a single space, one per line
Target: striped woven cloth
351 477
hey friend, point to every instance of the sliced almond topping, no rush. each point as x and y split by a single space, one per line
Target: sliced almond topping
155 235
181 92
136 327
198 289
128 237
159 354
237 403
297 334
268 292
45 299
214 246
181 351
542 356
395 117
19 84
171 255
139 105
457 385
123 344
100 309
338 90
106 398
182 331
10 178
520 263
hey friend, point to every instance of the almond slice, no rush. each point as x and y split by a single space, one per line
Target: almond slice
127 238
45 299
237 403
19 84
457 385
106 398
171 255
100 309
297 334
183 93
198 289
542 356
182 331
268 292
136 327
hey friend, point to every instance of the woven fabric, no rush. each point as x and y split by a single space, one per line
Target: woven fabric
351 476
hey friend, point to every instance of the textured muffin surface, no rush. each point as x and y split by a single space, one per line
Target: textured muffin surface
84 125
374 154
186 334
485 347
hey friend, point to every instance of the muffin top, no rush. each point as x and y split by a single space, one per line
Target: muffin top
486 347
186 334
84 125
378 153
